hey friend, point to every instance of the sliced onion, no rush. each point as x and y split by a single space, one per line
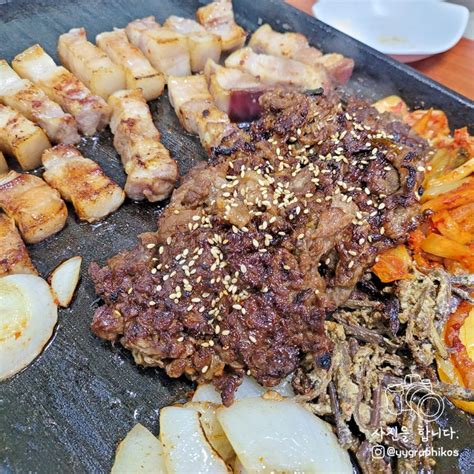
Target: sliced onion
28 314
185 447
281 436
213 429
64 280
248 388
207 393
139 452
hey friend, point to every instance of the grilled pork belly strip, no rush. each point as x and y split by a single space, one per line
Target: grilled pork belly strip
89 63
234 92
139 73
151 172
90 111
202 44
137 27
218 18
259 245
274 70
21 138
295 46
196 110
82 182
166 49
36 208
14 257
28 99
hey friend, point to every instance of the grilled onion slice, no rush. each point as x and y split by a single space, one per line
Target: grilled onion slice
139 452
185 446
281 436
64 280
28 314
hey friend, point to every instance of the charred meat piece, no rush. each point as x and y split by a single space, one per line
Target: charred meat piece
295 46
151 172
258 246
28 99
82 182
89 63
202 44
196 110
274 70
139 73
90 111
14 257
218 18
36 208
21 138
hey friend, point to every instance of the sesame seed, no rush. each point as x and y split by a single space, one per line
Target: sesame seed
180 339
152 303
252 339
205 369
243 268
151 246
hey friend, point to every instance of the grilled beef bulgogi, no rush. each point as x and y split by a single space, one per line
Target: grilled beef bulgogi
257 247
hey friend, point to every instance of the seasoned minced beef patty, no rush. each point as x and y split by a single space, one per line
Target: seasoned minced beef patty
257 246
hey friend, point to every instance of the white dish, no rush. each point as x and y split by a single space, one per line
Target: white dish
408 30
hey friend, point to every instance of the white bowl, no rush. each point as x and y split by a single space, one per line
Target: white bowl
408 30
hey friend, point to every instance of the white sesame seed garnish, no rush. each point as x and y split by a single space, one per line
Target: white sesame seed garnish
150 246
